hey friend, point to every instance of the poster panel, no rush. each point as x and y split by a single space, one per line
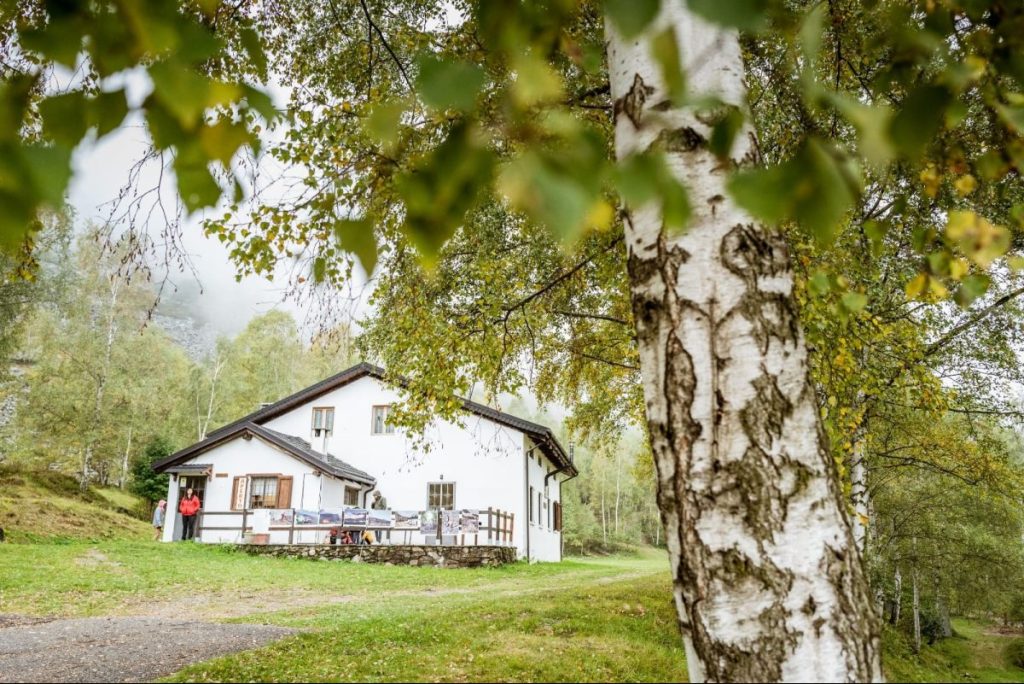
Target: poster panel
284 516
450 522
407 520
470 521
428 523
331 516
355 517
307 517
378 519
260 521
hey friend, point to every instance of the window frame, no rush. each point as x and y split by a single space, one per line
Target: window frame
250 487
386 428
328 411
442 484
348 489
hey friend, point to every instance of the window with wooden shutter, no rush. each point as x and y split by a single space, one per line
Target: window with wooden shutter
263 491
284 492
238 493
558 517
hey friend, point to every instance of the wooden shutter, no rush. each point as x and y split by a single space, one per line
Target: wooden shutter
284 492
238 493
558 517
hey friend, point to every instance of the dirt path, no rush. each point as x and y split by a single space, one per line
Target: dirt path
117 649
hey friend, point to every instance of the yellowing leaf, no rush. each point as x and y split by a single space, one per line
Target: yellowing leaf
980 240
958 268
930 178
535 82
965 185
916 287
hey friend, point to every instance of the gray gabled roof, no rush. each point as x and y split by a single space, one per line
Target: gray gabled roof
540 434
299 448
334 466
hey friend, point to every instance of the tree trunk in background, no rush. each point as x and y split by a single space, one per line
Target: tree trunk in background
942 611
897 598
123 480
618 491
101 384
768 582
917 611
859 492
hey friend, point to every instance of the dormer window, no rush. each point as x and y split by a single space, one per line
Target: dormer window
380 425
323 421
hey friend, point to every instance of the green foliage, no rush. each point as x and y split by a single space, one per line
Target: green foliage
191 110
631 18
747 15
815 188
146 483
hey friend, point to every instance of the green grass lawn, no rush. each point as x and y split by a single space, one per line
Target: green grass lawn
974 654
582 620
45 506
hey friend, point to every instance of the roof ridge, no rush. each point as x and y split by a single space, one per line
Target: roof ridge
549 443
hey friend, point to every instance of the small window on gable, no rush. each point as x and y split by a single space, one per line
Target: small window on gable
380 421
351 496
323 421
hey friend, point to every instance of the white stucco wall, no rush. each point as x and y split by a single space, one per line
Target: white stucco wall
545 543
485 460
239 457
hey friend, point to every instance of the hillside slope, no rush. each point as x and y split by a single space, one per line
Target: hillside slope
46 506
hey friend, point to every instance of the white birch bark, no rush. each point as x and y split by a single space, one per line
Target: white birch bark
101 383
917 611
768 582
897 597
859 495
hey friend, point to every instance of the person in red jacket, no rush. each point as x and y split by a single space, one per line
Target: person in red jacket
189 508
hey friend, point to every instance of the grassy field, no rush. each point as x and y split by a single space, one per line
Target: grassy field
582 620
45 506
975 654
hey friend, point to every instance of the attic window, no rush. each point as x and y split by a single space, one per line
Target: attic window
323 421
380 424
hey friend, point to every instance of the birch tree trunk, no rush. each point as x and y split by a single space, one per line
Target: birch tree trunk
917 611
768 582
897 598
101 383
123 480
859 492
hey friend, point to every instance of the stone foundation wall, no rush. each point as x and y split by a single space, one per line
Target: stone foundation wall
430 556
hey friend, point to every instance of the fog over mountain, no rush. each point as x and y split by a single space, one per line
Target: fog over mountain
196 307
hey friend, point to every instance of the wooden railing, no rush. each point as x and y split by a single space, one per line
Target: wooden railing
497 525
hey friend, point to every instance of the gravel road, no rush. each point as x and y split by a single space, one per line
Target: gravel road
133 649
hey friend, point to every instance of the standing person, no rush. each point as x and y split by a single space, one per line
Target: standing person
158 519
379 504
189 508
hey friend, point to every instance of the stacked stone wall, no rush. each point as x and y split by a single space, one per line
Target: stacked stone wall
428 556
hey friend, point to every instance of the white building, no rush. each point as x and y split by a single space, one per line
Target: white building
328 446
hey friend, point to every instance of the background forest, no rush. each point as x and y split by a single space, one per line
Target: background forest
908 270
